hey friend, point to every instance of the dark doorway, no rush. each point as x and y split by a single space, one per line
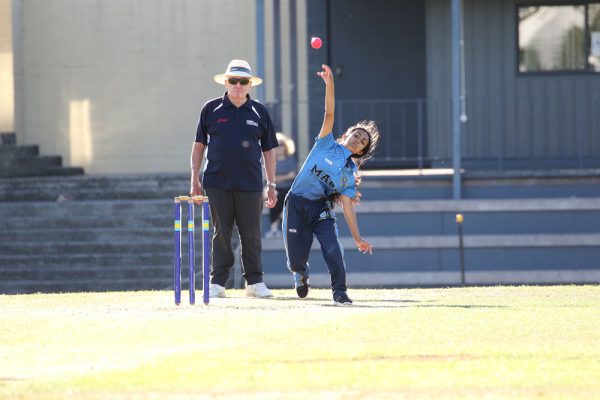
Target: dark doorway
377 53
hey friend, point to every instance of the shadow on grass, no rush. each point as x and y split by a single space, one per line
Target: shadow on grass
295 302
360 305
7 379
385 303
408 357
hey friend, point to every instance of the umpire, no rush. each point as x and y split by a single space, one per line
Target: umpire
235 131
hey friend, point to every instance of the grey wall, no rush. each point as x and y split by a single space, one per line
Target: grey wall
549 120
117 86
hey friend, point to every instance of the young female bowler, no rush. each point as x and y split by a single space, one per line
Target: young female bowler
329 175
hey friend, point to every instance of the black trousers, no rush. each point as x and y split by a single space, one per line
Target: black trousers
243 209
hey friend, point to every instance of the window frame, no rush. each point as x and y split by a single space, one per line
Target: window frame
588 70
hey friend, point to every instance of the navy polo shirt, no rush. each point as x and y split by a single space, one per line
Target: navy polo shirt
235 139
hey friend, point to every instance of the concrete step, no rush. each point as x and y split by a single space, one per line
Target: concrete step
61 210
17 162
83 272
377 185
87 285
159 228
83 247
375 217
63 171
89 260
130 242
89 187
21 151
87 235
395 261
8 139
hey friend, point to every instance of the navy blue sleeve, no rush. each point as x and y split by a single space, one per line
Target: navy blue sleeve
268 140
202 129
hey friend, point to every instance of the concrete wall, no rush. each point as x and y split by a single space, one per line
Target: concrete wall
6 69
286 67
117 86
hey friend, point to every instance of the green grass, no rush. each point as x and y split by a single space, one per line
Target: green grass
480 342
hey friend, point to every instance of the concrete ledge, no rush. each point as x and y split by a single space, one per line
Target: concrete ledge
407 206
365 207
492 277
471 241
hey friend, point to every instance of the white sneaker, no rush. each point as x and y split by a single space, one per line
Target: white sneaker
216 291
258 290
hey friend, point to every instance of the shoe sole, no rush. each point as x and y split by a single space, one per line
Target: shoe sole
254 294
342 304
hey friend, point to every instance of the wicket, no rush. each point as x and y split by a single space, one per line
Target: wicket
191 254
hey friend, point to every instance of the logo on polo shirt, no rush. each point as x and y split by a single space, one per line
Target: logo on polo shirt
250 122
221 120
323 176
344 181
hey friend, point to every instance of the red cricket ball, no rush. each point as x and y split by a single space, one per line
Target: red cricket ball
316 42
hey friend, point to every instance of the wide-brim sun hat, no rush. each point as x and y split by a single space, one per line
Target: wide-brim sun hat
239 68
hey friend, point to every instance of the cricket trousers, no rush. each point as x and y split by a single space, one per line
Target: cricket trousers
302 220
244 209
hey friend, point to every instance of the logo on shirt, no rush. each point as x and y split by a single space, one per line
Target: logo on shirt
323 176
328 161
250 122
344 181
221 120
292 230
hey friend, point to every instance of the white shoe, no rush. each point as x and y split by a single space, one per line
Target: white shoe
258 290
216 291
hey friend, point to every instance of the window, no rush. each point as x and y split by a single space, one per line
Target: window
594 18
557 38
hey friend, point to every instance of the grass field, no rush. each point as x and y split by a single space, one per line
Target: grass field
479 342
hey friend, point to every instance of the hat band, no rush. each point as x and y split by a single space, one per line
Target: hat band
240 69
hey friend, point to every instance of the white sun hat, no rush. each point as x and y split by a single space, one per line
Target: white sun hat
239 68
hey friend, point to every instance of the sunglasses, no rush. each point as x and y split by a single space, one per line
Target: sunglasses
241 81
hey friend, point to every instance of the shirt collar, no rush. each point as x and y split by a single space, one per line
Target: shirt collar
347 153
228 103
350 164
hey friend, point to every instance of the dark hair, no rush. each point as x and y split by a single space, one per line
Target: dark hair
359 159
371 128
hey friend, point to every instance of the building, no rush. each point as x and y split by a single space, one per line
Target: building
116 87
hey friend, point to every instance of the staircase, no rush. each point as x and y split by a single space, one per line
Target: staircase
508 241
85 245
98 233
25 160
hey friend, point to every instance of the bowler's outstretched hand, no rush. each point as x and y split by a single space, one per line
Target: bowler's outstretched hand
326 74
364 246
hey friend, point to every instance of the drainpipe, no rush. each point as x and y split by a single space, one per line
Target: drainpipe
260 48
456 97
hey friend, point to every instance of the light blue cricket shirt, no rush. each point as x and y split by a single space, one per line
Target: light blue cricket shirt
326 171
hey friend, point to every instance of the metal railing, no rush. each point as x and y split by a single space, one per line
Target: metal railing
501 133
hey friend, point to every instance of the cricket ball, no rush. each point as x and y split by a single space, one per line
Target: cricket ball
316 42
